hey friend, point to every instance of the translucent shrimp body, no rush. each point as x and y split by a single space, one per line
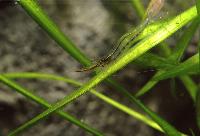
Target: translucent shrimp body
123 43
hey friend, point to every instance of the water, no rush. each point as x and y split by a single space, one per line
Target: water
123 43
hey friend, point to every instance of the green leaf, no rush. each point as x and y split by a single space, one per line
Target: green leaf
156 62
190 86
184 41
150 84
50 27
44 103
131 112
143 46
162 63
139 8
198 6
190 66
198 11
101 96
39 15
187 81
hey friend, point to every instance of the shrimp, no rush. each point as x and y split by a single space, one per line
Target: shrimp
152 10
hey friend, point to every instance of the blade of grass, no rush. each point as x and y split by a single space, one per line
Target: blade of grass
129 111
176 56
137 4
189 66
198 11
156 62
173 59
162 123
137 115
184 41
44 103
150 84
187 81
190 85
198 93
143 46
139 8
179 52
199 51
198 6
37 13
41 18
165 51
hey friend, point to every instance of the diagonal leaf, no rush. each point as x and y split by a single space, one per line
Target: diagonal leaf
37 13
156 62
150 84
44 103
191 65
169 130
101 96
198 11
135 114
198 93
137 5
162 63
198 6
190 86
176 56
184 41
129 111
143 46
